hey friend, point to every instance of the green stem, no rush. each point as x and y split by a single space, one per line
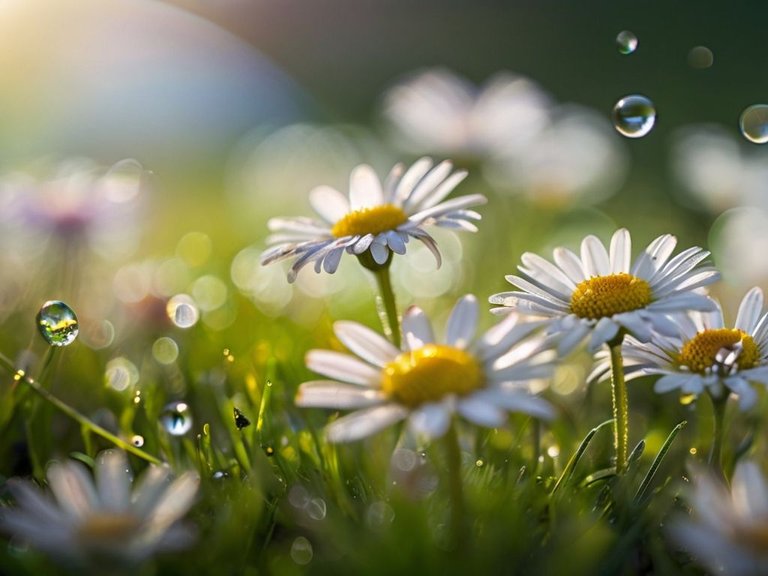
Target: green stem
75 415
620 405
388 316
716 452
455 488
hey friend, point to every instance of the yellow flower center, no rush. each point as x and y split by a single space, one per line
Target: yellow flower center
374 220
431 372
608 295
700 353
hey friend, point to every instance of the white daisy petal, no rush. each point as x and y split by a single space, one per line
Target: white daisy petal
73 488
670 382
546 273
364 188
570 264
417 329
363 423
427 185
329 394
749 492
430 420
605 330
521 402
462 322
620 254
395 242
654 256
330 204
365 343
380 252
750 309
595 257
480 411
113 482
441 191
342 367
412 176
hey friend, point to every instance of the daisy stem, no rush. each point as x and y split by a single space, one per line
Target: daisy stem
75 415
388 316
455 488
715 453
620 405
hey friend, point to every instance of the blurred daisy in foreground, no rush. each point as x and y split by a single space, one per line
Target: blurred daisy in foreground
439 112
426 383
101 523
376 219
604 295
728 530
707 356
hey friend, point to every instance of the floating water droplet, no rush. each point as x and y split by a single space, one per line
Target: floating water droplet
220 475
176 418
269 451
479 463
137 440
57 323
301 551
634 116
700 57
240 420
182 311
693 451
754 123
316 509
165 350
626 42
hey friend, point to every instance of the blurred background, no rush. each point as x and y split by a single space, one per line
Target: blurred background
146 143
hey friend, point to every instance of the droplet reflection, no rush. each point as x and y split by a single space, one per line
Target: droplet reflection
626 42
57 323
176 418
634 116
754 123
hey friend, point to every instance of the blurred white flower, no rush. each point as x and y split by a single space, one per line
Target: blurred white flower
728 529
577 155
102 522
718 170
737 236
76 203
436 111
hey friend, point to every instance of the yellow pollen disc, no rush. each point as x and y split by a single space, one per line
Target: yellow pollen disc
699 353
374 220
431 372
608 295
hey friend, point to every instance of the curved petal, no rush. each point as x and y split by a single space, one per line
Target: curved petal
462 322
365 343
342 367
113 480
329 394
417 329
364 422
364 188
749 310
330 204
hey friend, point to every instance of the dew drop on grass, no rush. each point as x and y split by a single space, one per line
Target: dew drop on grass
176 418
137 440
753 123
634 116
220 475
626 41
182 311
57 323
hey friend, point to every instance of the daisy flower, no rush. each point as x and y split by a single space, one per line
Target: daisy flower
728 531
603 294
87 522
707 356
427 382
376 219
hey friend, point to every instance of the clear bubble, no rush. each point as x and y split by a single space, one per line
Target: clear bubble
182 311
754 123
626 42
634 116
316 509
121 374
301 551
137 440
57 323
700 57
176 418
165 350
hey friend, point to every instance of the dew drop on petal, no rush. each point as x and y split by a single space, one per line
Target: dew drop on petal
301 551
57 323
634 116
753 123
137 440
182 311
626 41
176 418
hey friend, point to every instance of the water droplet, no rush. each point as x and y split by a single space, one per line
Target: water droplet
700 57
553 451
220 475
754 123
176 418
269 451
693 451
120 374
240 420
137 440
404 459
165 350
626 42
301 551
137 397
182 311
634 116
479 463
57 323
316 509
18 375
